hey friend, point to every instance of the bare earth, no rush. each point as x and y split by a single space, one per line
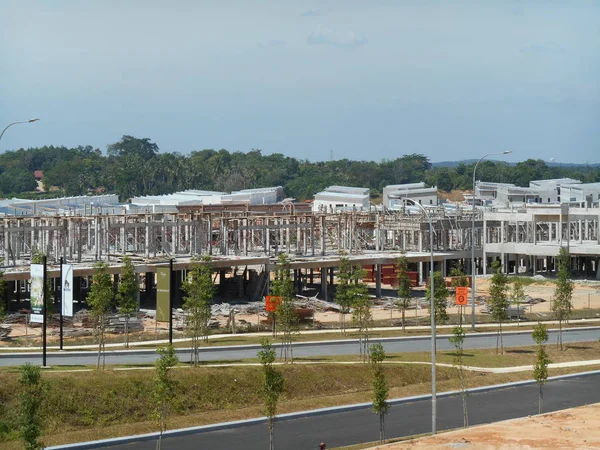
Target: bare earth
584 295
577 428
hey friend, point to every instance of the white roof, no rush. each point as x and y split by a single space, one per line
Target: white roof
348 190
555 181
409 192
339 195
420 184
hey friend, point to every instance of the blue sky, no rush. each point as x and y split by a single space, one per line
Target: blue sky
365 80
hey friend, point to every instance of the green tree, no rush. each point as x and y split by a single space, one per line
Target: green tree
540 369
457 340
16 180
127 294
459 277
440 294
343 295
361 310
562 304
100 300
30 402
273 386
164 388
286 317
518 295
130 146
499 300
380 387
134 166
404 288
199 290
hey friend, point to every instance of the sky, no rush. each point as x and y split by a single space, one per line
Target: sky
363 80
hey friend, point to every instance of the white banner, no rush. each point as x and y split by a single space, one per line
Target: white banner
67 290
36 318
37 288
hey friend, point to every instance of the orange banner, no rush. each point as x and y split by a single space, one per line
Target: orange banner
462 294
272 302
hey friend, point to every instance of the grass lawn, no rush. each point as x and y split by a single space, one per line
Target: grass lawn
120 401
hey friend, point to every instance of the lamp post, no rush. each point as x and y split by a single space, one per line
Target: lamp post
15 123
473 269
432 313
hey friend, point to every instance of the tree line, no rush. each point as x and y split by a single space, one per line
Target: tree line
136 166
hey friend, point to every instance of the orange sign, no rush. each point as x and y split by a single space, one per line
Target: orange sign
461 295
272 302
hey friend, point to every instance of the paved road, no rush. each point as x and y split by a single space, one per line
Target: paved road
392 345
352 427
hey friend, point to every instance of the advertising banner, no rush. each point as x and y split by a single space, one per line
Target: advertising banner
461 296
37 288
36 318
272 302
163 293
67 290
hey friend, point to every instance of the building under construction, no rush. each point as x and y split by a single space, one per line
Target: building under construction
244 241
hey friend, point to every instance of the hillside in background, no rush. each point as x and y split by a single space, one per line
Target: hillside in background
135 167
548 163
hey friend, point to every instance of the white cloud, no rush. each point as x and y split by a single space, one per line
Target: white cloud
326 36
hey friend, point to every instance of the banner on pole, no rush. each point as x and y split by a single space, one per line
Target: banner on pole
36 318
67 290
163 293
461 295
272 302
37 288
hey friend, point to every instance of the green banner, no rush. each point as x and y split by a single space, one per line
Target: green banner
163 294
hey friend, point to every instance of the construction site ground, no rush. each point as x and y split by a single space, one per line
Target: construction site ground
586 303
576 428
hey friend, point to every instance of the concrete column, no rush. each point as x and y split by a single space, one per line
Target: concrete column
149 283
323 235
245 236
324 293
296 281
124 237
378 280
377 232
559 236
298 236
267 237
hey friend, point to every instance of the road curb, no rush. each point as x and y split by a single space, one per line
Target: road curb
184 350
300 414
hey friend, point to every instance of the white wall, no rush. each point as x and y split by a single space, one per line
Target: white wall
329 205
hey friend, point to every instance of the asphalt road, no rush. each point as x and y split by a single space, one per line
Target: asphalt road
353 427
232 354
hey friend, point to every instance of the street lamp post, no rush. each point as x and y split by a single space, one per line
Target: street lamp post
15 123
473 268
432 313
